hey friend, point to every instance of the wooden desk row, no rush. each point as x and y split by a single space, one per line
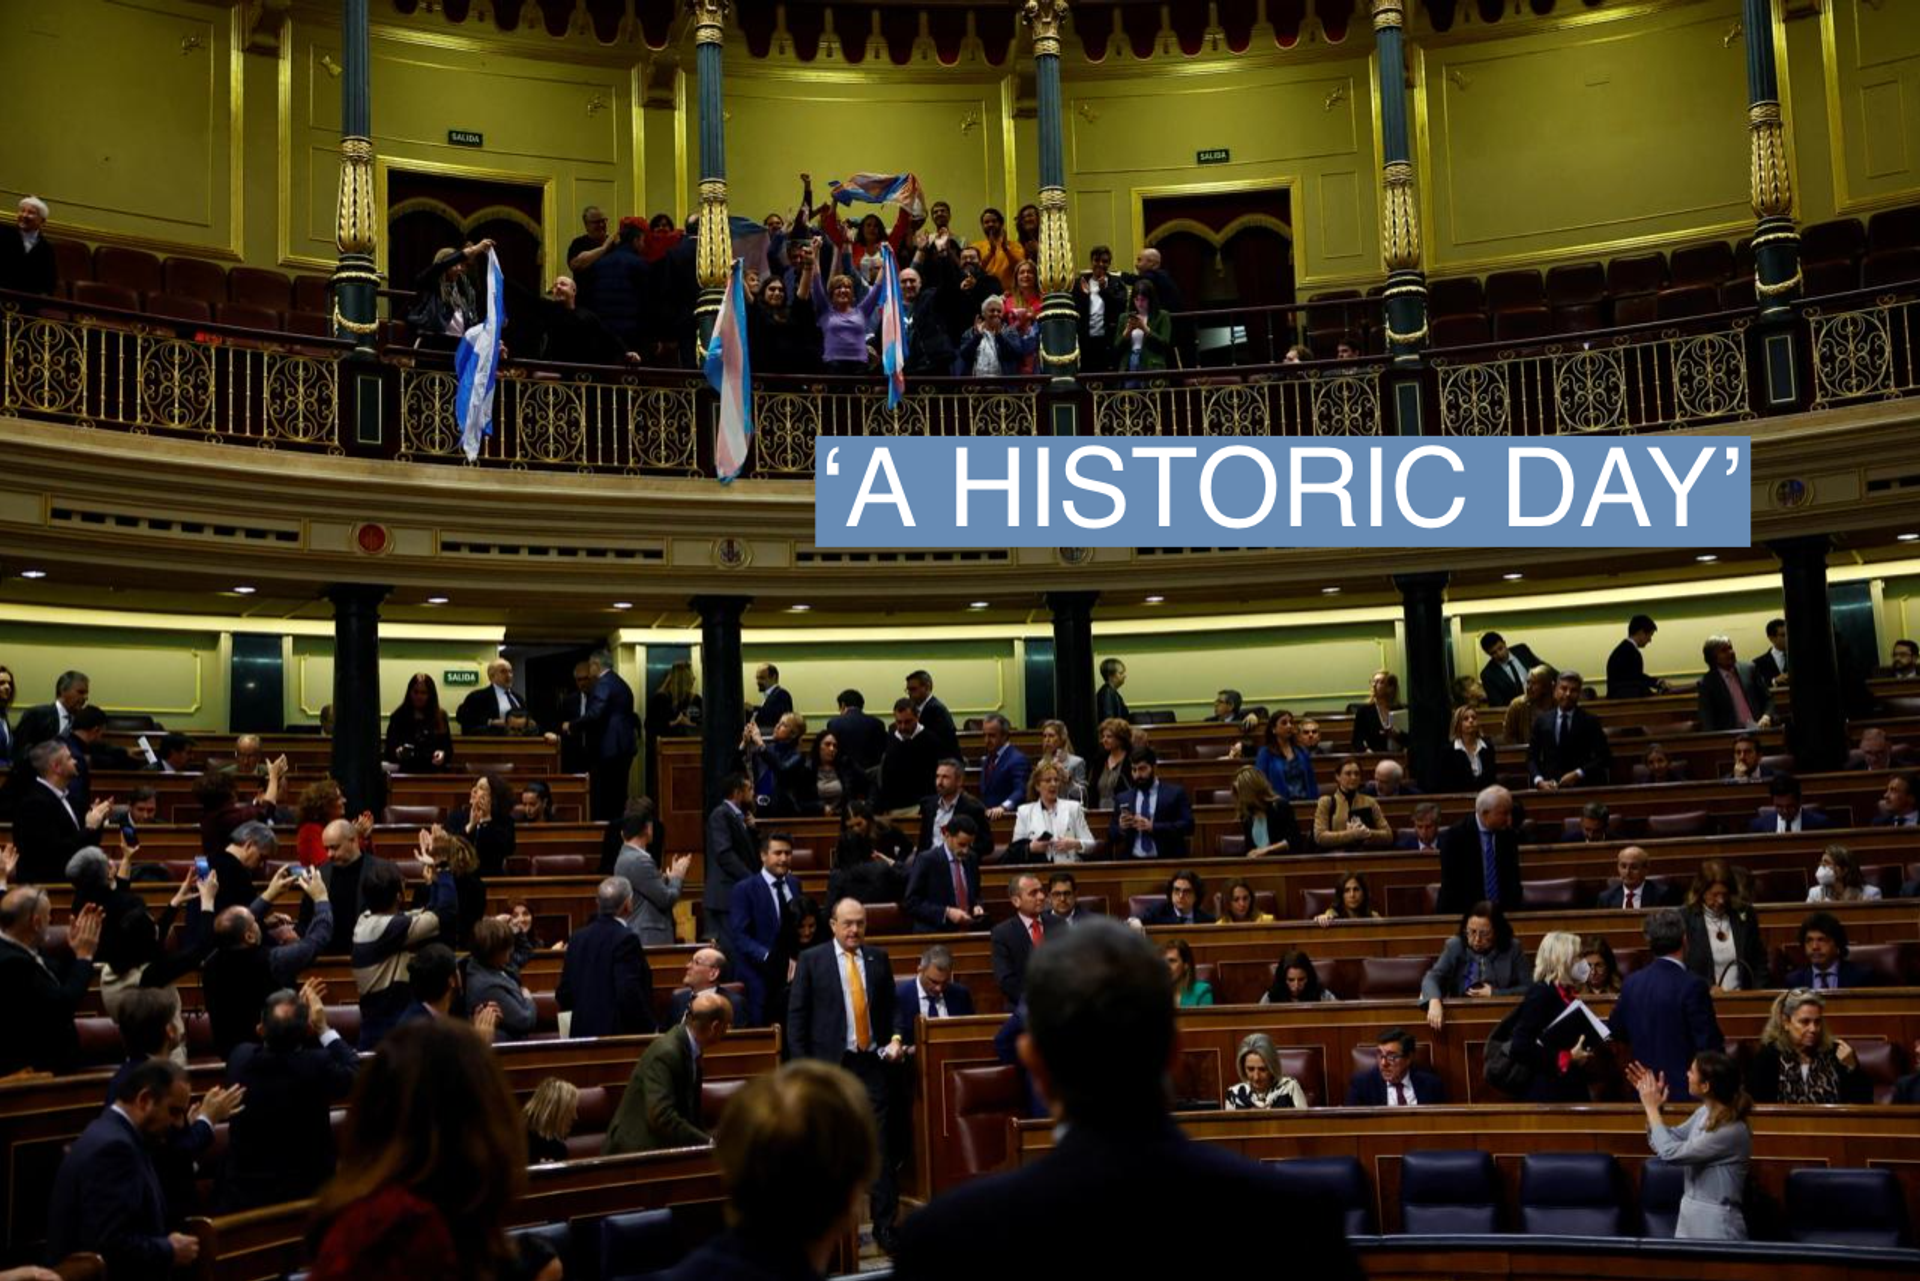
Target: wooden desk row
1342 1036
39 1117
313 753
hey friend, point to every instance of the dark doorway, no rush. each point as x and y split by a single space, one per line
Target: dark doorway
1227 251
256 689
544 674
427 212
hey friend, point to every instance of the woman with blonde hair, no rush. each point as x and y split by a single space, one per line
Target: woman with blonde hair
1469 762
1266 820
1262 1084
1559 973
1049 828
1116 739
1056 745
1711 1147
675 707
795 787
551 1114
1240 906
1373 729
1799 1061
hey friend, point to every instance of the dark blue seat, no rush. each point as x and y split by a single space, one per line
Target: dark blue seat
554 1237
1448 1193
1337 1181
1571 1194
1845 1207
644 1241
1661 1186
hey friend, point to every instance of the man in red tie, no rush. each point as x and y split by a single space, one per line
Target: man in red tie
943 890
1015 938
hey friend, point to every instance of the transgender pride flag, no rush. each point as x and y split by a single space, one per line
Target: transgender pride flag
893 329
731 374
881 188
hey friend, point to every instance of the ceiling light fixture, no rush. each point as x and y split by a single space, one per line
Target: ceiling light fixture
1329 591
1156 600
1706 558
623 604
798 609
436 600
243 590
1910 538
978 604
1514 577
33 573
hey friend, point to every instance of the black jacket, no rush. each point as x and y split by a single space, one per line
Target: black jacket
1498 681
1463 875
1551 755
863 738
37 1005
606 981
1750 949
963 804
280 1146
1627 672
479 708
27 271
1456 774
46 835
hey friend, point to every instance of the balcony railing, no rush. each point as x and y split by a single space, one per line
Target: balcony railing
97 368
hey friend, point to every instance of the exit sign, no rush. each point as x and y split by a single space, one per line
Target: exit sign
473 138
1212 156
466 676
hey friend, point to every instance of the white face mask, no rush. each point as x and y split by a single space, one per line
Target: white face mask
1582 971
1824 874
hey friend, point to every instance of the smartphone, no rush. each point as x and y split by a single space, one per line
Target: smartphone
129 834
201 868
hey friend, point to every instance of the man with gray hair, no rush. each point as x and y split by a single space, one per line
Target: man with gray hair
1480 857
609 737
485 710
1004 768
1424 836
1390 779
605 982
1665 1012
47 829
52 720
26 259
243 970
932 992
251 846
132 952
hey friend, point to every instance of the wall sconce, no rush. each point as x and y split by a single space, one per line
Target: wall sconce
596 104
188 44
333 69
969 121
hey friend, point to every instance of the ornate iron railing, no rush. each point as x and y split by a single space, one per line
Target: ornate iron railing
790 414
1629 380
139 375
1865 348
1278 400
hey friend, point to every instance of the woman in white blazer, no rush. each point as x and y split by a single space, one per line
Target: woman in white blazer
1049 828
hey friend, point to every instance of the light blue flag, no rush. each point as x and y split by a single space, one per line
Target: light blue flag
477 365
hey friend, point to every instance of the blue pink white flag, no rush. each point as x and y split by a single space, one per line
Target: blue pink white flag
730 373
880 189
477 365
893 329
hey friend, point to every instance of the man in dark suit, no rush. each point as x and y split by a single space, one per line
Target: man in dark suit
1393 1081
758 906
1823 938
1746 766
1633 890
827 983
932 991
1004 768
923 291
935 719
610 736
908 763
1788 815
661 1105
52 720
47 828
1772 665
1099 1036
1505 675
1017 938
26 259
943 890
1101 299
1731 694
1425 833
485 710
1569 746
1153 818
575 755
1480 857
605 980
732 854
106 1196
947 803
774 701
39 993
1181 903
1626 669
1665 1012
704 970
280 1146
862 738
1900 806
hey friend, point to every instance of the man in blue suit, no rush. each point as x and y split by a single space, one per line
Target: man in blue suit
1823 938
943 890
932 992
1099 1036
755 911
1665 1012
1789 815
1394 1082
775 702
605 981
1004 768
106 1196
610 733
1153 818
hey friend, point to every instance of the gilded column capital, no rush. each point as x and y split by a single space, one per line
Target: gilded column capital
709 19
1043 17
355 227
1772 181
1399 217
1056 245
1389 13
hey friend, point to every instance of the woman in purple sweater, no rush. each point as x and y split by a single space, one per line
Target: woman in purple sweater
843 324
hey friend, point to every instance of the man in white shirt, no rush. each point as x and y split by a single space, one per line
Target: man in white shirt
485 710
1901 804
1425 837
47 830
1395 1083
1772 665
1634 891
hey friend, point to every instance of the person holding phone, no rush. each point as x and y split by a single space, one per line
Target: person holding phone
1049 828
1145 340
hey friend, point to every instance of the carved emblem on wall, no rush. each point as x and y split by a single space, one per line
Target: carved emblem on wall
732 553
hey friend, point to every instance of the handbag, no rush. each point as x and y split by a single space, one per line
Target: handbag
1504 1072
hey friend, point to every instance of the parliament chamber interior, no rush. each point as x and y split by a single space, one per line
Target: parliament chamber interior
436 852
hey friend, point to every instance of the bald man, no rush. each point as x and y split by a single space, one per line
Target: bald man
485 710
661 1106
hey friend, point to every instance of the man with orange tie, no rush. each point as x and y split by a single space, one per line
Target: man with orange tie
841 1011
1015 938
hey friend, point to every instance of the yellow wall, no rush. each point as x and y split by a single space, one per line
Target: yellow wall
309 673
1870 75
180 678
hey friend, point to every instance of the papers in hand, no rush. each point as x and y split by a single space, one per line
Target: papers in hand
1575 1022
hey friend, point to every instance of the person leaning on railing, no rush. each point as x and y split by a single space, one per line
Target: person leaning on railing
445 302
1145 340
843 317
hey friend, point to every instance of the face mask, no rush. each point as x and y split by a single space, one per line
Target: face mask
1582 971
1824 874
